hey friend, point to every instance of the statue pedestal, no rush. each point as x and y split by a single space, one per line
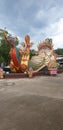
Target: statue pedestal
30 72
30 75
53 71
1 73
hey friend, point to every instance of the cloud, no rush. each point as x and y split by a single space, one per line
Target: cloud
54 31
58 37
40 19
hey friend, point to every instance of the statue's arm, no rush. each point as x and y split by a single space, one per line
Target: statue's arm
5 35
8 39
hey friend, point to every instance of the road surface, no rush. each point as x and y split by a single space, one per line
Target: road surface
32 104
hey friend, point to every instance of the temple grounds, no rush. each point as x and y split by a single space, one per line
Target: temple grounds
32 104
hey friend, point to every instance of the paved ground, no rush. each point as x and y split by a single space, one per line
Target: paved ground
32 104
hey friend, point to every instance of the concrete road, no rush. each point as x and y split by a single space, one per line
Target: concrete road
31 104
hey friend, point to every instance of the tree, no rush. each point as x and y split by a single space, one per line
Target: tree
32 53
5 48
59 51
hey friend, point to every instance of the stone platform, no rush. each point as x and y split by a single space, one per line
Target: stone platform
23 75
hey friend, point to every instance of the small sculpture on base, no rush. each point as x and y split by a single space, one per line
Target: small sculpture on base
1 73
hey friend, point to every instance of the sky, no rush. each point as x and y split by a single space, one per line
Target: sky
40 19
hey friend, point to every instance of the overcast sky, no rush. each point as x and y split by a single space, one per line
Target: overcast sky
39 18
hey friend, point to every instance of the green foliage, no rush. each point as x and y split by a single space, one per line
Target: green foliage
4 52
2 35
5 48
16 41
59 51
1 59
32 53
